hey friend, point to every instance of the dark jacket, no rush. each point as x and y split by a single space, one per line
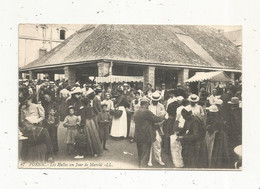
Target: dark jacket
192 137
145 129
96 106
220 154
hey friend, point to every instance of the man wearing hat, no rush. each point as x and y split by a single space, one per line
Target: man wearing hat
108 101
85 89
196 109
104 122
235 125
97 104
180 91
158 109
191 136
75 100
52 88
172 97
214 150
145 131
163 94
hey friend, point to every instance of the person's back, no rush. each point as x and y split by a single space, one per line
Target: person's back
144 123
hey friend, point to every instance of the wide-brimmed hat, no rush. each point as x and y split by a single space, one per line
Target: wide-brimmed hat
51 83
213 108
89 91
194 98
71 107
98 89
218 101
77 90
88 85
156 96
234 100
180 98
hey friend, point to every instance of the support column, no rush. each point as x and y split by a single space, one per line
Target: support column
103 69
70 75
32 75
51 76
183 75
232 76
149 76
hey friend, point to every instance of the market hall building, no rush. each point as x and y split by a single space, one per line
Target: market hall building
167 54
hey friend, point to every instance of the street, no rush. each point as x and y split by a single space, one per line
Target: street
121 155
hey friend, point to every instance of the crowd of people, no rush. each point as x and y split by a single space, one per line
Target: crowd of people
195 130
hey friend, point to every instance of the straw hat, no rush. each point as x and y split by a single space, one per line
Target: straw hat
156 96
89 91
77 90
180 98
234 100
213 108
125 85
194 98
218 101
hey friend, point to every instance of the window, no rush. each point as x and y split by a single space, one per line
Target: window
42 52
62 34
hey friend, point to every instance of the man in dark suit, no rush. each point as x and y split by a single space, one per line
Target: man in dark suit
97 105
145 131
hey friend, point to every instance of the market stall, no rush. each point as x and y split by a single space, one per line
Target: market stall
211 79
119 79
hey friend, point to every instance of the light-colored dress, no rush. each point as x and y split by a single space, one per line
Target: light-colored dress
133 107
33 114
71 122
119 125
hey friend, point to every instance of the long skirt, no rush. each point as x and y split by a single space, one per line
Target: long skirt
94 144
37 153
156 148
119 125
70 135
132 129
63 109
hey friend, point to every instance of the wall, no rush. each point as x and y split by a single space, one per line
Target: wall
32 38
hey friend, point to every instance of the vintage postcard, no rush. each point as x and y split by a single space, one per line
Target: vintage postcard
108 96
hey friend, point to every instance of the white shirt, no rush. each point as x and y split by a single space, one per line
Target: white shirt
170 100
109 103
179 117
197 110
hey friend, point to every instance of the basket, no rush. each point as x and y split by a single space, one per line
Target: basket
116 113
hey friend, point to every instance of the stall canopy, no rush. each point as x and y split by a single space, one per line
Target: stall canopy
119 79
210 76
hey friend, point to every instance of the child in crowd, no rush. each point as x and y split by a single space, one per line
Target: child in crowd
104 122
71 122
52 123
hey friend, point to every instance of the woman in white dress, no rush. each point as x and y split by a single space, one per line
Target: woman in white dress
119 125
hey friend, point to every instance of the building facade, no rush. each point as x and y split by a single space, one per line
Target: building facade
160 53
35 40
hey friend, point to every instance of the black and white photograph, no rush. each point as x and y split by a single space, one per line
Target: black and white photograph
130 96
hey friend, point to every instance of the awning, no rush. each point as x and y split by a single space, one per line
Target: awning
211 76
118 79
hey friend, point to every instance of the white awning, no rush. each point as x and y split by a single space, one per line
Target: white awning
212 76
119 79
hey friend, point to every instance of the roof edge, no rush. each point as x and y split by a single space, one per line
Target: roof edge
133 63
